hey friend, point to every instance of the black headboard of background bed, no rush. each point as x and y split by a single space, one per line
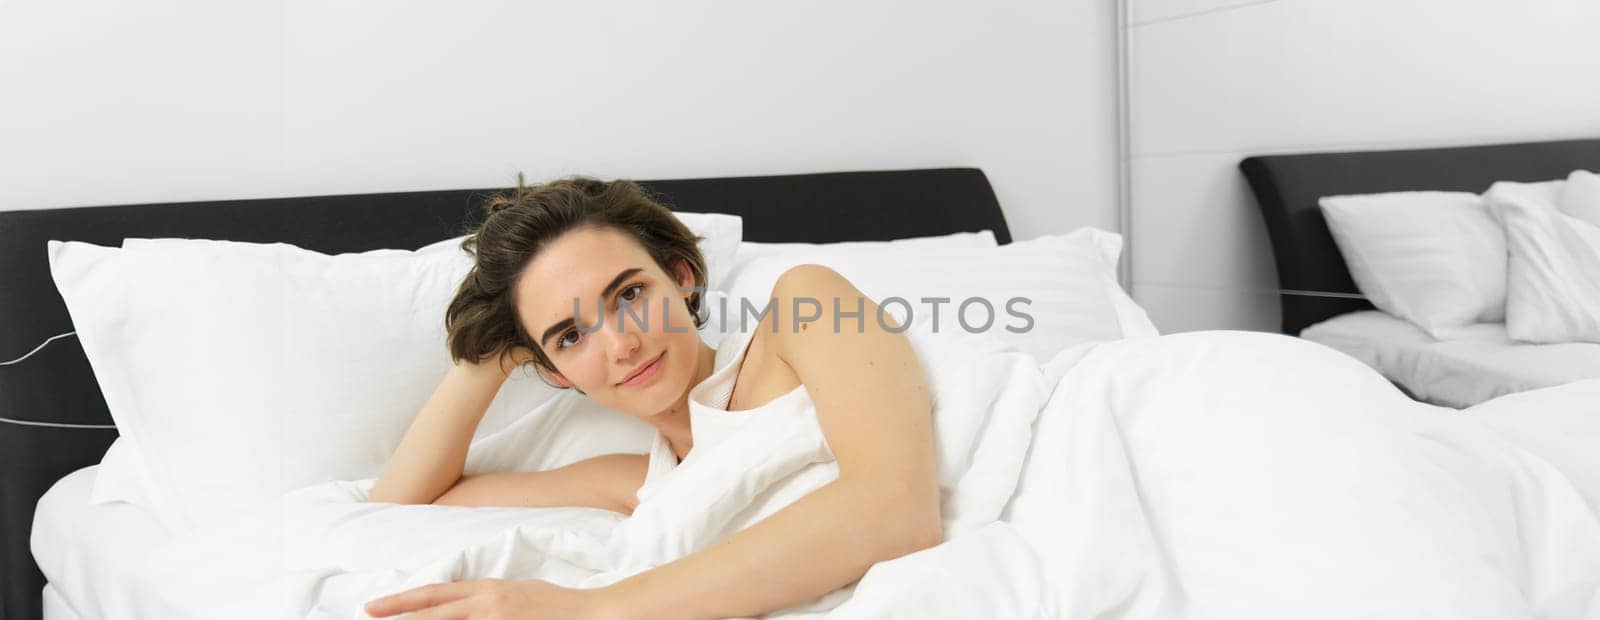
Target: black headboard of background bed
54 406
1287 188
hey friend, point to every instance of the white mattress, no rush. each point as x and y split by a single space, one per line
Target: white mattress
1482 363
92 555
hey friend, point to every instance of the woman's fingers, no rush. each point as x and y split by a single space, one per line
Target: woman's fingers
420 598
460 609
515 356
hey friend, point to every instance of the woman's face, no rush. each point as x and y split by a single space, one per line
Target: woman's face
595 265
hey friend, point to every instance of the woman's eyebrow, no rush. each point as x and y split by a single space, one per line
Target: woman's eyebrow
563 324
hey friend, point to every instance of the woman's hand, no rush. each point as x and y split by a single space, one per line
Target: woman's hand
502 361
497 599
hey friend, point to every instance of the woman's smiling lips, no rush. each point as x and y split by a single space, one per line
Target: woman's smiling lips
643 375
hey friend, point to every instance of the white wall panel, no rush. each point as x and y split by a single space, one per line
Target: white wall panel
1320 72
1196 224
1147 11
182 99
122 101
1182 309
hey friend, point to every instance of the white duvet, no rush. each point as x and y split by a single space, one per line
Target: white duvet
1201 475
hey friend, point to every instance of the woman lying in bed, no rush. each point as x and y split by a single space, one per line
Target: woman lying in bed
545 257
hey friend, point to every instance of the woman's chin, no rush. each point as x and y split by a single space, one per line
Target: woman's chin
658 398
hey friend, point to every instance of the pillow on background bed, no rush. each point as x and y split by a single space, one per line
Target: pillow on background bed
1071 280
237 371
1553 274
1436 259
1581 197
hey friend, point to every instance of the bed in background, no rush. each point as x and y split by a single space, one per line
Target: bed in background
1320 299
54 420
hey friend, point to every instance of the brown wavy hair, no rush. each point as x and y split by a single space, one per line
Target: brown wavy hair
481 321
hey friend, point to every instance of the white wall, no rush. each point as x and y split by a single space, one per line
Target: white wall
109 102
1214 81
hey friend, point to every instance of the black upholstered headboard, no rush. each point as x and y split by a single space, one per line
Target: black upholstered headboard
1314 281
53 419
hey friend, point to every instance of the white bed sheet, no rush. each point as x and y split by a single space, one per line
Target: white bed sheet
55 607
1164 480
93 555
1480 364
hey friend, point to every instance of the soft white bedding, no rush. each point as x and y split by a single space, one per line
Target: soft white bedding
324 553
1242 475
55 606
1478 363
93 556
1560 424
1197 475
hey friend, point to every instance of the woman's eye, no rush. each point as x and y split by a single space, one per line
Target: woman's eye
571 337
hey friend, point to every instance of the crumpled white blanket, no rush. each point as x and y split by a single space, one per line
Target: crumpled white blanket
324 553
1250 475
1200 475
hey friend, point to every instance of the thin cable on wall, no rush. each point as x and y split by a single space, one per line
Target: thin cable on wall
47 424
36 349
54 424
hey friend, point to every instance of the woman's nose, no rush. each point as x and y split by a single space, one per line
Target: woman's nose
624 340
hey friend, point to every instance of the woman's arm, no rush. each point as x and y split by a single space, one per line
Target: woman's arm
431 455
609 481
875 409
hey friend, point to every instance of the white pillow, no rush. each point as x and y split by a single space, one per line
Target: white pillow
752 250
121 476
240 371
166 324
1070 280
1581 197
1436 259
1553 276
719 324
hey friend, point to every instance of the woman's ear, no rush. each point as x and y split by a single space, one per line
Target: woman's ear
685 276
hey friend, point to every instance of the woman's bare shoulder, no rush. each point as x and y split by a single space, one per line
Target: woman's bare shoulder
800 295
823 320
816 295
808 278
